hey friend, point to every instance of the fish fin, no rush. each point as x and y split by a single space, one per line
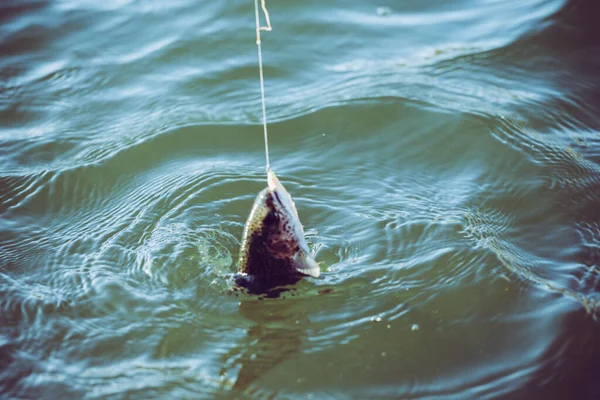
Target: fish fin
307 266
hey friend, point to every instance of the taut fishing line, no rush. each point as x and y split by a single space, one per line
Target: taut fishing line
260 67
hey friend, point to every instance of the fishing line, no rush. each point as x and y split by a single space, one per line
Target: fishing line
260 67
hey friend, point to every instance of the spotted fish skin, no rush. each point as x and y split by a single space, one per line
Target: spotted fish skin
274 251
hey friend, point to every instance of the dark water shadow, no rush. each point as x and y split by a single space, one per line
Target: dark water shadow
278 330
12 9
570 367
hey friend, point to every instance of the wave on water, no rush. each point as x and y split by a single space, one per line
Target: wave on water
443 157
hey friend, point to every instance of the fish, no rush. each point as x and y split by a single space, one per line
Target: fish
274 251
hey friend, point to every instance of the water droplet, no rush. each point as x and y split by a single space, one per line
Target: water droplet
383 11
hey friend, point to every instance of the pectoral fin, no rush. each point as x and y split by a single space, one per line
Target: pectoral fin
307 266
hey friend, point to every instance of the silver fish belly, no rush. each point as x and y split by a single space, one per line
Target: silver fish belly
274 251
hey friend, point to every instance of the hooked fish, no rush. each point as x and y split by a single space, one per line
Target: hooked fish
274 252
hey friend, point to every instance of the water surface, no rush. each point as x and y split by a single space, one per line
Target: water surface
443 156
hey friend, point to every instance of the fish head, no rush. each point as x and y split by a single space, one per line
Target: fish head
273 242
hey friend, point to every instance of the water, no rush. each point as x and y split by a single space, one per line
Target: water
444 158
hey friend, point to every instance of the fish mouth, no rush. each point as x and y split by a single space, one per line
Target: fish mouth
283 199
273 182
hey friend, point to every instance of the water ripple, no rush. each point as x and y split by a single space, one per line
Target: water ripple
443 158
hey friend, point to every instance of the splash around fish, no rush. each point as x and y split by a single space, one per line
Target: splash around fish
274 251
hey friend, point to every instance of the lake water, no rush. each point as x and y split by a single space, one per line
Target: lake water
444 157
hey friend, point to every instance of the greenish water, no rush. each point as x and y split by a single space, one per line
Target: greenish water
443 156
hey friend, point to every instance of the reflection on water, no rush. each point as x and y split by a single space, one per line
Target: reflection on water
443 156
275 337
